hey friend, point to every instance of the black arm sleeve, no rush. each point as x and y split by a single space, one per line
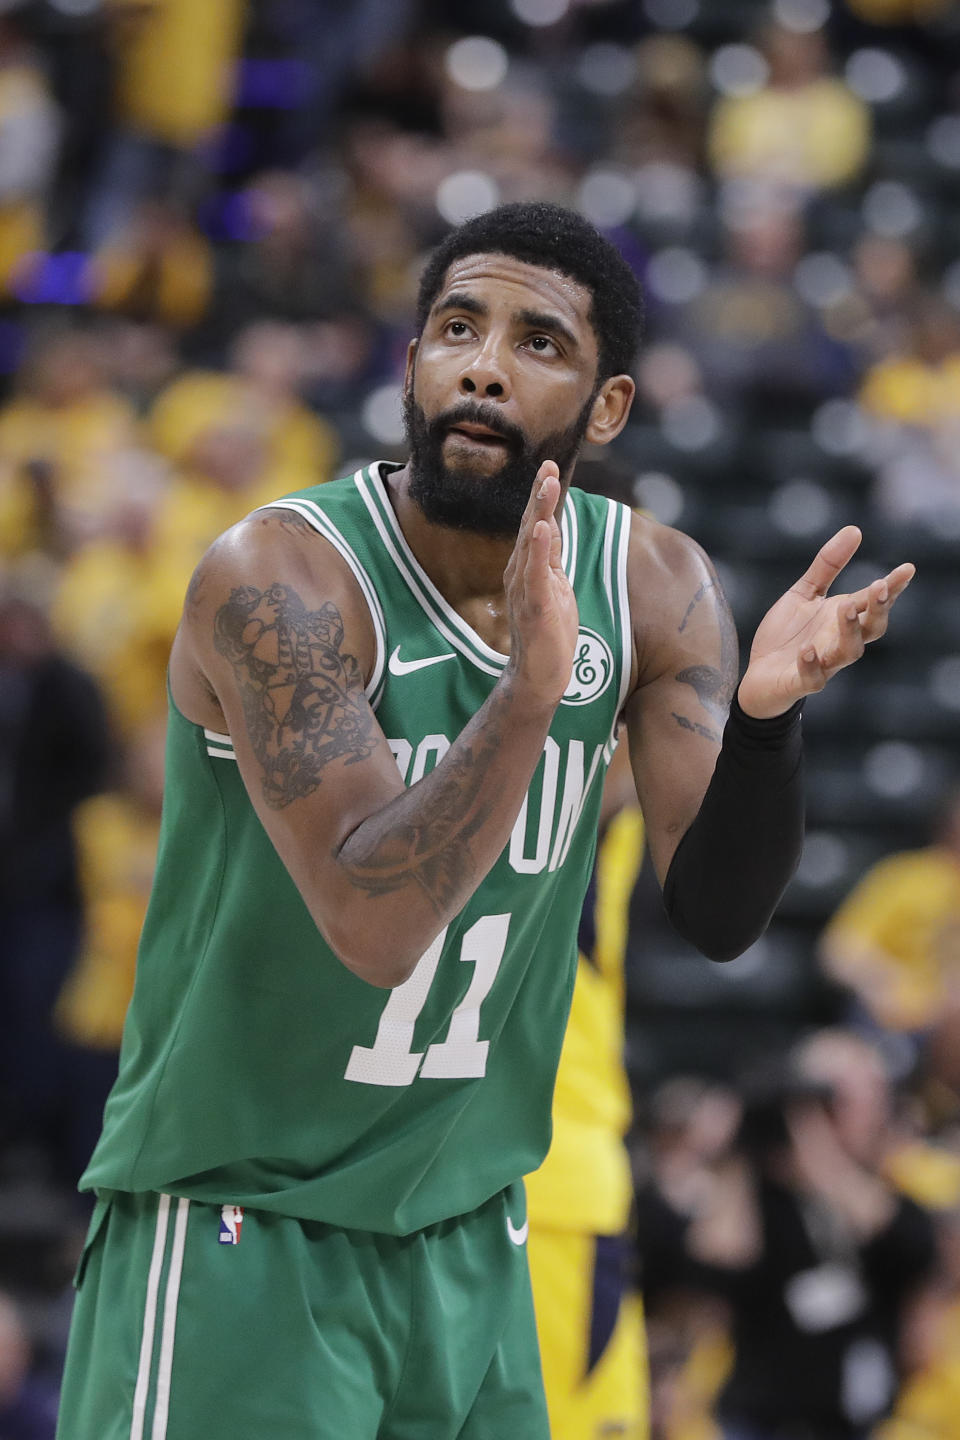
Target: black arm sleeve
734 862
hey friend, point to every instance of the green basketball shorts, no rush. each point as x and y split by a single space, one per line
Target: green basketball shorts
196 1322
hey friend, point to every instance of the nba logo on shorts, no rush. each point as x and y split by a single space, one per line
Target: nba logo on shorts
231 1223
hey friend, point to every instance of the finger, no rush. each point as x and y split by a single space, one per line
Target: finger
541 504
887 587
830 559
537 558
873 605
545 491
875 601
899 579
847 643
812 675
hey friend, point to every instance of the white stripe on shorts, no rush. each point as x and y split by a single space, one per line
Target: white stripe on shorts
149 1320
161 1408
161 1405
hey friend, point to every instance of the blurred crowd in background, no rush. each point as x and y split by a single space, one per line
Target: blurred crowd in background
212 220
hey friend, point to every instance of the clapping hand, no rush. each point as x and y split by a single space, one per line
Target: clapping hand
808 635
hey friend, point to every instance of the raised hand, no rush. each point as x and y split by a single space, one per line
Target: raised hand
544 620
808 635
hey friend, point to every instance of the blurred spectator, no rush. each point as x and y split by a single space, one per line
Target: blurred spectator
335 47
395 175
29 136
116 837
174 84
914 396
293 265
140 359
117 600
157 268
689 1127
661 118
28 1402
872 316
822 1263
507 134
802 128
895 941
343 357
919 385
929 1404
61 439
756 341
54 751
261 395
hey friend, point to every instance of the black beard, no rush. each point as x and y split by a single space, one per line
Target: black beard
484 504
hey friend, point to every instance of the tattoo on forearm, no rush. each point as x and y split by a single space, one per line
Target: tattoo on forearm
302 696
686 723
389 851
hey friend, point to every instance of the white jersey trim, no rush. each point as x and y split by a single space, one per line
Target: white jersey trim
220 746
452 627
450 624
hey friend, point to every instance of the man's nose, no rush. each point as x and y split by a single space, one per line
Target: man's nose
485 375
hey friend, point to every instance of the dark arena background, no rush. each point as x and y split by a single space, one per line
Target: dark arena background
213 214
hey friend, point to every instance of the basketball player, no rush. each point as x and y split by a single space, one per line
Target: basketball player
393 699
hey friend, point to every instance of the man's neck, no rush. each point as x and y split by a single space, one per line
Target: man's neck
465 567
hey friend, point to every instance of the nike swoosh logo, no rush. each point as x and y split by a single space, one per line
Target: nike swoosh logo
397 666
519 1237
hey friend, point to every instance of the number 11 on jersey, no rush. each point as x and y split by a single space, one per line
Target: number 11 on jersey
462 1055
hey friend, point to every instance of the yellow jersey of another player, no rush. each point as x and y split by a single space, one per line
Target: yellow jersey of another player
584 1183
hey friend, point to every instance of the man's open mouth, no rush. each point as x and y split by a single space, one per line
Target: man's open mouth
479 434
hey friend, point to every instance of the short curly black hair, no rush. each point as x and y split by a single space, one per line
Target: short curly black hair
558 239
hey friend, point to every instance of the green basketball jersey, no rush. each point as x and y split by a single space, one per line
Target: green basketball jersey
256 1069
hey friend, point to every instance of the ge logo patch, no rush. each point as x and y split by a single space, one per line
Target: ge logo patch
592 669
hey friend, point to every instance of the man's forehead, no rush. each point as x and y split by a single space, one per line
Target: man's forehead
545 285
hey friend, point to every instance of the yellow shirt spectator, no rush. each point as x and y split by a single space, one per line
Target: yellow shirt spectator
116 610
76 443
61 442
896 938
175 70
811 137
296 442
913 391
116 836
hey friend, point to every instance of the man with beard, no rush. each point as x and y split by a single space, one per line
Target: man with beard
393 700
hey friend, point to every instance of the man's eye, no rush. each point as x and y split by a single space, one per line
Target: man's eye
457 329
543 345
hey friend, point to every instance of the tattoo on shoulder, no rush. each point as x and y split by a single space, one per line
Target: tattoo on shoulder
713 685
290 520
195 590
698 595
302 696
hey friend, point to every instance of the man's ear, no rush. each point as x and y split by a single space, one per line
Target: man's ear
611 409
411 364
